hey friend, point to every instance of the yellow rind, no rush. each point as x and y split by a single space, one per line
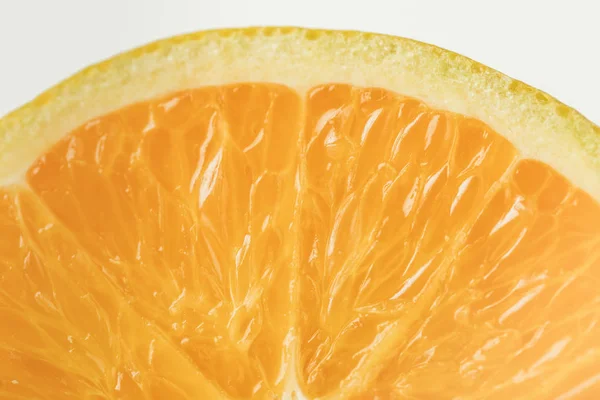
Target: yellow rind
538 125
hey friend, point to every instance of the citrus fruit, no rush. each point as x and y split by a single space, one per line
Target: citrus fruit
298 214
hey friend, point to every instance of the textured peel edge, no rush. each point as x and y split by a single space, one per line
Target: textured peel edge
538 125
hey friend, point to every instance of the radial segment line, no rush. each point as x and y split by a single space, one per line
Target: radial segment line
396 335
214 392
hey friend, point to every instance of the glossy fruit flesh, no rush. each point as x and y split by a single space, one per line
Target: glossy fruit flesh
246 241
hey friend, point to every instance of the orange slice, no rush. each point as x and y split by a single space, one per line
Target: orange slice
298 214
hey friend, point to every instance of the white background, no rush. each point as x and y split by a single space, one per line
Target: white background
551 44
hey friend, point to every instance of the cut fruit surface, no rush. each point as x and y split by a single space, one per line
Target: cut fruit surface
298 237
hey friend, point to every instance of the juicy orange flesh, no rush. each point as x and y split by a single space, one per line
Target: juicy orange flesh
246 241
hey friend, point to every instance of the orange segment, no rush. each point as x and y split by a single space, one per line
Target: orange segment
377 249
187 215
246 241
